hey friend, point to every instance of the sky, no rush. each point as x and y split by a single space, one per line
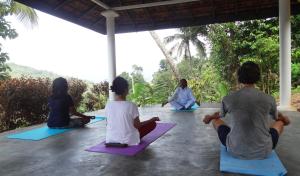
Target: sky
70 50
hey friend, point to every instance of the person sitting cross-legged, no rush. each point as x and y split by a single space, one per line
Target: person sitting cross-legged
250 134
123 123
183 98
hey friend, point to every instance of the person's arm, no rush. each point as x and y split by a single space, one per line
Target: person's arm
74 112
137 123
191 95
173 97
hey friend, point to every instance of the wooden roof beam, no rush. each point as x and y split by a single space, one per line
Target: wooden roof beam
102 4
153 4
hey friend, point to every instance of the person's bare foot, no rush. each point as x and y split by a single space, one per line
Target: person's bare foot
208 118
286 121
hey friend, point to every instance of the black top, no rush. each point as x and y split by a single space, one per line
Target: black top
59 111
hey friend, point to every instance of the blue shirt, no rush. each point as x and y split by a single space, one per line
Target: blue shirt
59 111
183 96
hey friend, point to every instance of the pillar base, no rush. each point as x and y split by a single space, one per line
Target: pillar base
286 108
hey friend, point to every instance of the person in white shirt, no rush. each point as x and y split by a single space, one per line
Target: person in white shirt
123 123
183 98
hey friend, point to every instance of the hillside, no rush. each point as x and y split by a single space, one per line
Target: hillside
19 70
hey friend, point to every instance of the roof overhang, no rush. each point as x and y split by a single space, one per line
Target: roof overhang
142 15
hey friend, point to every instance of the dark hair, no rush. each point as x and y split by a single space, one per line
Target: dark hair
248 73
119 85
183 80
59 87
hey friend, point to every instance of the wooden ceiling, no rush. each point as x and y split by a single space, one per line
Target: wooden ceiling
200 12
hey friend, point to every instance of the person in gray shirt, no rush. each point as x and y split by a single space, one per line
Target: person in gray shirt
250 134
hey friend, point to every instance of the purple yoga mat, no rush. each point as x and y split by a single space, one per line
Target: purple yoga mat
161 128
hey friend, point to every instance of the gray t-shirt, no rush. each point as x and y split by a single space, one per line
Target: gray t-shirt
250 112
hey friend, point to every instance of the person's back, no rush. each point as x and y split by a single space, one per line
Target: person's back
250 135
123 123
61 104
59 111
120 119
250 111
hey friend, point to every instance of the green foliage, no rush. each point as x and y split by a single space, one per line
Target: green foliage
142 95
95 98
187 37
6 32
209 87
76 89
224 51
296 74
137 74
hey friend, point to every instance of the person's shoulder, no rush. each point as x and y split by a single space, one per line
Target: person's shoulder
129 103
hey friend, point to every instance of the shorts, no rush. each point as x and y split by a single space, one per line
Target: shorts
224 130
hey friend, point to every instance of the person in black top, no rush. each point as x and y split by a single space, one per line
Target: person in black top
61 105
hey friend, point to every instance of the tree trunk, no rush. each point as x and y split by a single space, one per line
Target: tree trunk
166 53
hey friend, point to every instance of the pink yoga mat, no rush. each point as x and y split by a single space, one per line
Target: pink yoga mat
160 129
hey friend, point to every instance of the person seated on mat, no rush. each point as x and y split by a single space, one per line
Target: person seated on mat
123 122
183 98
250 134
61 104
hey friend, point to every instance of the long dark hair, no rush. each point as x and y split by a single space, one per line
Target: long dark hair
59 87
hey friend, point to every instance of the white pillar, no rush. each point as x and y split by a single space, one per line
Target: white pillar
110 28
285 54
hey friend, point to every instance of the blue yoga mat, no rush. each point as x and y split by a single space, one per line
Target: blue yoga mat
270 167
194 108
44 132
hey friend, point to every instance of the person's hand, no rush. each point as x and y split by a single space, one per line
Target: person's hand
284 119
92 117
155 119
164 103
208 118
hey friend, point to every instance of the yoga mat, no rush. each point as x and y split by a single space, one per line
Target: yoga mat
194 108
161 128
44 132
270 166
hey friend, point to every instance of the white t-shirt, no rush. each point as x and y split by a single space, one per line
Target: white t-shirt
120 118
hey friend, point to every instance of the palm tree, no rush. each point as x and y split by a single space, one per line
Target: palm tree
24 14
186 37
166 53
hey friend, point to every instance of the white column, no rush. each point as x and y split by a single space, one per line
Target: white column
285 54
110 28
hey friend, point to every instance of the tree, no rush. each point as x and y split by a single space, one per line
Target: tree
186 37
25 14
6 31
166 53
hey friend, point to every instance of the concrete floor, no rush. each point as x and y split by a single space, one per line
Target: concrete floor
190 148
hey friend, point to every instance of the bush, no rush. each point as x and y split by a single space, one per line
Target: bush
96 98
23 101
76 89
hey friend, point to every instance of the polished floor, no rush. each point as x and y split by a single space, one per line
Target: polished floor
189 149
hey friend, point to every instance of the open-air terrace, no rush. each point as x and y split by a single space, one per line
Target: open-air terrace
190 148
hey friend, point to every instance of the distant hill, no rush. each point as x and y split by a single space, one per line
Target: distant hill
19 71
